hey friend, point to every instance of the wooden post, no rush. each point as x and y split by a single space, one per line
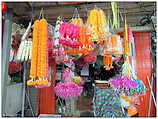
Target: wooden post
47 99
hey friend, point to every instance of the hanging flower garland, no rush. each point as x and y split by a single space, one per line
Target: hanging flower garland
123 84
112 45
39 61
126 69
33 70
56 37
70 39
25 50
59 52
70 34
108 62
77 21
68 89
140 90
84 37
97 24
126 41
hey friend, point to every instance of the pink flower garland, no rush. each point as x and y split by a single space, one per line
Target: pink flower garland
71 30
124 83
68 90
89 58
70 33
70 43
130 34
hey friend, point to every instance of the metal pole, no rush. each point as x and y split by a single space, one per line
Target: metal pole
27 95
150 100
5 56
151 91
24 87
135 29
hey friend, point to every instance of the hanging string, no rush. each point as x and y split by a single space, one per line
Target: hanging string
121 16
41 14
118 17
95 7
32 14
115 15
76 13
87 11
109 20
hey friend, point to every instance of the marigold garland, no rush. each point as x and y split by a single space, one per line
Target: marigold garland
39 61
126 41
97 23
84 38
108 62
33 70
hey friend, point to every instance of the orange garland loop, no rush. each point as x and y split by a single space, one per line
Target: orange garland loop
39 54
108 62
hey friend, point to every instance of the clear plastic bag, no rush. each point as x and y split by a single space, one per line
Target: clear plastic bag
113 45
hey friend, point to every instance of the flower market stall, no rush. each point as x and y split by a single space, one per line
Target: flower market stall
78 63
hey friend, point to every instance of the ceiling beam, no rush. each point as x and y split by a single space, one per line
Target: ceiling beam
79 5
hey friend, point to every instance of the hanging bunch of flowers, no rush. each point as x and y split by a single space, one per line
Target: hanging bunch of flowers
112 45
39 61
140 90
25 49
97 24
127 36
123 84
59 52
68 89
128 86
84 37
70 33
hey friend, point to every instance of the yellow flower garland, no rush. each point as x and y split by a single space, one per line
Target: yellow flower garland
39 53
33 70
97 23
126 41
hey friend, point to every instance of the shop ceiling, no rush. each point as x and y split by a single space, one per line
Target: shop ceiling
134 11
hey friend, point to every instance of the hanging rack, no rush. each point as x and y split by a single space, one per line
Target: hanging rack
86 10
76 13
60 17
